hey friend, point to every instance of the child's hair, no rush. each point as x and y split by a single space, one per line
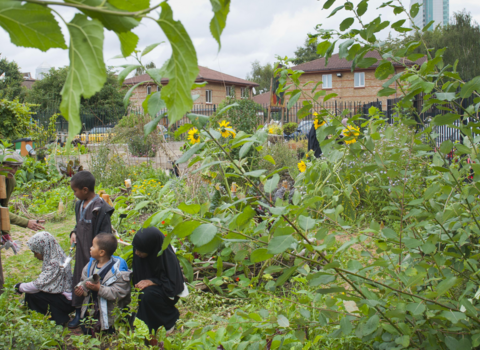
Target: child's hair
83 179
107 242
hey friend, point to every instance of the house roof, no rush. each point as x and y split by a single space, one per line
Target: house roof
205 74
335 63
262 99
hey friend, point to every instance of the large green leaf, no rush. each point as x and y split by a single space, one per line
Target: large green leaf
468 89
188 154
445 285
271 184
130 5
87 73
185 228
118 24
187 268
279 244
219 21
203 234
182 67
371 325
259 255
128 42
285 276
31 25
384 70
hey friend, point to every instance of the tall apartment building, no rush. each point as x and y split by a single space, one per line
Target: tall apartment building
431 10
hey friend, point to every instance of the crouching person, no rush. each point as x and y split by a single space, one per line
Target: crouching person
51 292
112 288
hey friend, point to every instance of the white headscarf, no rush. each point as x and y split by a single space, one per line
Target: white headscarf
53 279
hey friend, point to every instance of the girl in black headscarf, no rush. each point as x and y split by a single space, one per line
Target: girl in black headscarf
159 278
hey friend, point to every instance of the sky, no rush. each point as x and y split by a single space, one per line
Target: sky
256 30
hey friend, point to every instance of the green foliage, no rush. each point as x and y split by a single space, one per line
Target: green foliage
140 147
307 52
11 86
15 119
290 128
243 116
262 75
42 135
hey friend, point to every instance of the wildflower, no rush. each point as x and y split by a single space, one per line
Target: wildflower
237 279
317 123
351 132
226 130
302 166
163 222
193 136
271 130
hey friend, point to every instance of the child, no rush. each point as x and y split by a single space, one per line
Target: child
93 216
52 290
112 290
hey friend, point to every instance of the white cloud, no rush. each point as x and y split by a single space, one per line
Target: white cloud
256 30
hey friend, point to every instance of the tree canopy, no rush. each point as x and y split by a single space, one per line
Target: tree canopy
11 83
46 93
261 75
307 52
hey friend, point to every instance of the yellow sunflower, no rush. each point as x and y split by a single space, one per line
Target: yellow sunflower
352 133
302 166
193 136
226 130
317 123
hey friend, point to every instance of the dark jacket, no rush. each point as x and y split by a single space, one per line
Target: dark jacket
101 221
14 219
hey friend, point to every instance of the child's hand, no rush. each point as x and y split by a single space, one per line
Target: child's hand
94 287
73 238
79 291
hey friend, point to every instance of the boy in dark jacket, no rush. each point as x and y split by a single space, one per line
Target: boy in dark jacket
112 289
93 216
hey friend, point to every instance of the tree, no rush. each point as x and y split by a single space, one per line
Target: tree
47 92
262 75
11 83
141 70
307 52
461 37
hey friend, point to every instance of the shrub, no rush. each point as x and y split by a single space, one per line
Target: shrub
290 128
242 117
283 156
15 119
140 147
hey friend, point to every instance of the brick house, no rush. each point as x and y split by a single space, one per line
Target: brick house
337 77
219 86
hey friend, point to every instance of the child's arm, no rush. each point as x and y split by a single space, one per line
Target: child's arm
83 278
117 290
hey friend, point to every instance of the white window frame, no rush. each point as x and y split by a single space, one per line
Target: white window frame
326 81
208 93
229 91
149 90
244 92
358 74
159 88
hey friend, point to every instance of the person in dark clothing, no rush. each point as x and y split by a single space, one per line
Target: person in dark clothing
92 215
313 142
160 279
52 290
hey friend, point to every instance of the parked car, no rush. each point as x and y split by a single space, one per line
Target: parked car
303 129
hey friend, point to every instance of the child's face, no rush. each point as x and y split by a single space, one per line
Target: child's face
95 251
37 255
81 194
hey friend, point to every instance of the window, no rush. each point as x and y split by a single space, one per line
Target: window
327 81
159 88
208 96
230 91
244 92
359 79
149 90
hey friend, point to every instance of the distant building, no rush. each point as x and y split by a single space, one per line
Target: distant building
28 80
41 70
219 86
431 10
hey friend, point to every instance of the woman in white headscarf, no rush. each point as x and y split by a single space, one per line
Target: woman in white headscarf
52 290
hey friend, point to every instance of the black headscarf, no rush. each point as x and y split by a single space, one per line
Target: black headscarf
163 270
313 142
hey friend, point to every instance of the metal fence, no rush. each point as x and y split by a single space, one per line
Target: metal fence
97 117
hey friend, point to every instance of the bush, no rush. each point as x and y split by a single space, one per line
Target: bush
283 156
242 117
15 119
140 147
290 128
